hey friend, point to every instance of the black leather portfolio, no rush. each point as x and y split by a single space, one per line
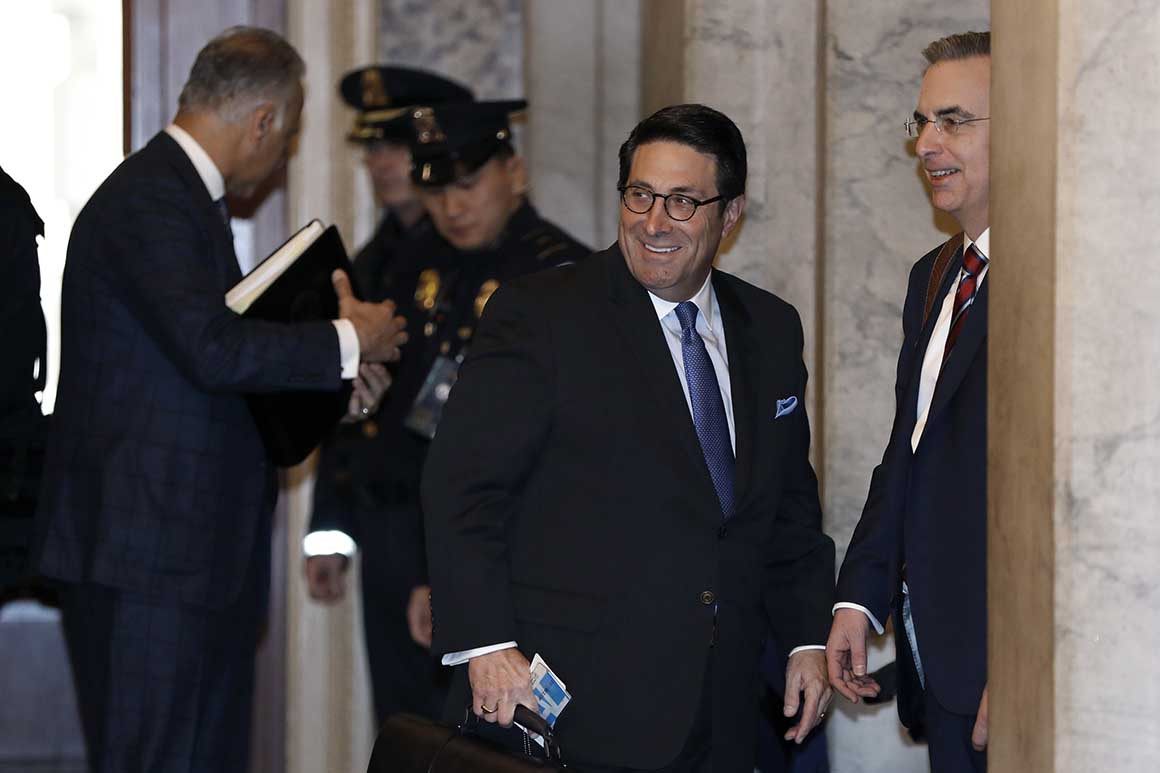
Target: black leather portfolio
293 285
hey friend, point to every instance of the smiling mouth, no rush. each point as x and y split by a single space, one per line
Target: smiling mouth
659 250
939 174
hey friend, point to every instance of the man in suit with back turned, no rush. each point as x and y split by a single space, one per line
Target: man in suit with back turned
621 482
158 495
919 550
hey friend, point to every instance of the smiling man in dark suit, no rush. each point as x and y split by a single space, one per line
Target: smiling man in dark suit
157 500
621 482
919 550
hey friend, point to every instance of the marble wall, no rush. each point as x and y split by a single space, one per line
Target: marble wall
1107 406
479 42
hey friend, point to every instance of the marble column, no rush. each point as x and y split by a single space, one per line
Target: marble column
877 222
756 62
1074 409
329 721
582 76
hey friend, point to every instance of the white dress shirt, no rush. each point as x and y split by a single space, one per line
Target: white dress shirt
931 367
711 328
211 177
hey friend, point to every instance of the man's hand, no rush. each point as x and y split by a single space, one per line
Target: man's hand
368 389
380 332
500 681
806 674
419 615
326 577
846 655
979 733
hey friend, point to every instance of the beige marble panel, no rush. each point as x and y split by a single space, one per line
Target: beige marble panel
1107 405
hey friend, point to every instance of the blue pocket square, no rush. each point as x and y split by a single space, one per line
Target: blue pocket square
785 406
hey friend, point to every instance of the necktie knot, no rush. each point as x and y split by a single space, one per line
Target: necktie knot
687 314
973 261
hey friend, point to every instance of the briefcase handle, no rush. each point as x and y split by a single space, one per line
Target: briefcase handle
525 717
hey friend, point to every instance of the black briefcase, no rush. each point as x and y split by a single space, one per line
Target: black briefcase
410 744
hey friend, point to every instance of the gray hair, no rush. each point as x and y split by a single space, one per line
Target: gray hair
237 69
963 45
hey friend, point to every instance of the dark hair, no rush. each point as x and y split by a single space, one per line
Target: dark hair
963 45
703 129
239 67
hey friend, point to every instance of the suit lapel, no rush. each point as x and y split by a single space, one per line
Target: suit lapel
646 354
742 351
921 345
966 349
216 229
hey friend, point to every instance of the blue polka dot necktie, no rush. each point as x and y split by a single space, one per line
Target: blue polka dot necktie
708 407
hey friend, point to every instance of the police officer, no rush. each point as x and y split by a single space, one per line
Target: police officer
473 185
383 97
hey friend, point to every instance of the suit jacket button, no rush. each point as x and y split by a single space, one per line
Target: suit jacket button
707 597
721 532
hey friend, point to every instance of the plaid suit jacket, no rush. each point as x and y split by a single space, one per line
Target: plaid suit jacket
155 478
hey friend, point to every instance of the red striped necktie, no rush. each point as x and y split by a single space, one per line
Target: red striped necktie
973 265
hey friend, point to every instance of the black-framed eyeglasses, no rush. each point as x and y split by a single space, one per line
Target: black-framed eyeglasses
678 206
943 124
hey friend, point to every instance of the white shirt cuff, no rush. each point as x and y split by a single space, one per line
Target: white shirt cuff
805 647
324 543
850 605
348 349
458 658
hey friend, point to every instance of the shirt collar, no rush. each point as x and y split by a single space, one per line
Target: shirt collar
704 299
206 169
982 244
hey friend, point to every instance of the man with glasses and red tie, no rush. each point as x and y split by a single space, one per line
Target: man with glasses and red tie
919 550
621 483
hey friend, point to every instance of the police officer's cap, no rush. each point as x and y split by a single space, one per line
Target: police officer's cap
384 95
452 140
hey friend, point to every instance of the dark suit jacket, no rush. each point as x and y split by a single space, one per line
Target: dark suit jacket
569 508
156 480
926 510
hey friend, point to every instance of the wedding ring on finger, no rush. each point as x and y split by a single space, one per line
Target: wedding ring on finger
486 710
